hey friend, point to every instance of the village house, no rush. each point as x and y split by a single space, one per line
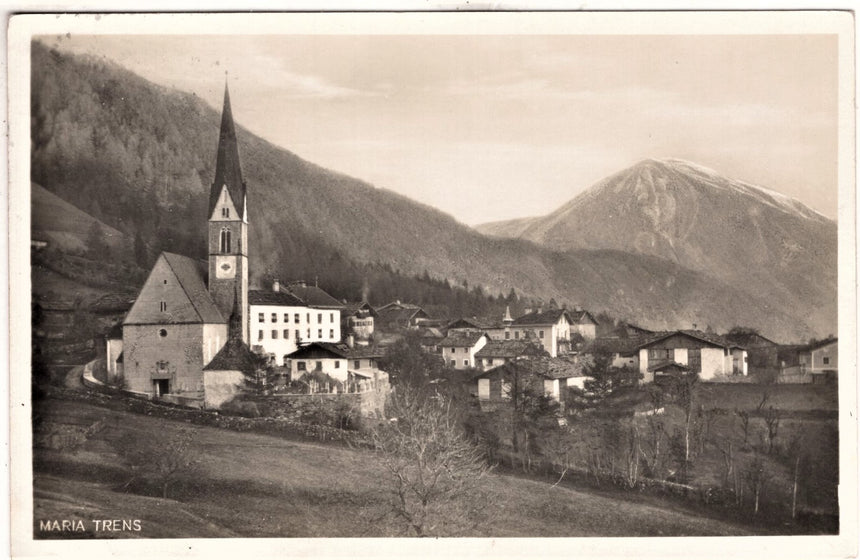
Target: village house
398 316
459 350
809 363
551 327
763 353
358 320
583 323
355 367
496 330
549 377
629 330
470 325
430 337
285 319
499 352
709 355
624 351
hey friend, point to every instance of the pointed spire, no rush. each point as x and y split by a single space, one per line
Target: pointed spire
507 318
235 325
228 170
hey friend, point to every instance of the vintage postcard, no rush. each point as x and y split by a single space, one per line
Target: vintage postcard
327 284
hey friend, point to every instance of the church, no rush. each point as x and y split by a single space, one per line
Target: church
186 339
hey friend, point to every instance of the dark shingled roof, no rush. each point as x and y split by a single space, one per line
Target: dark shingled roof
228 171
582 317
821 344
353 308
398 305
337 350
466 340
313 296
749 339
546 367
710 338
510 349
265 297
235 356
474 323
617 345
396 315
549 317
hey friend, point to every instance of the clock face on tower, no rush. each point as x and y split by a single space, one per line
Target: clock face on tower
225 266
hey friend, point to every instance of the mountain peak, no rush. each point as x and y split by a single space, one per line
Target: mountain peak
662 173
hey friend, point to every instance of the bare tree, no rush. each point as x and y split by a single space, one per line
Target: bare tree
744 417
765 397
756 476
630 451
436 472
163 458
684 392
771 419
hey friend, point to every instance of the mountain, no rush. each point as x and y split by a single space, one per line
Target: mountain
769 245
139 157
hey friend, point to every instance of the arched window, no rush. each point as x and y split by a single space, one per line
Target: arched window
225 240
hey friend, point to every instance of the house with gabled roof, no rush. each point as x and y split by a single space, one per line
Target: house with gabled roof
499 352
629 330
356 368
285 318
809 363
543 375
709 355
550 327
763 353
583 322
624 351
459 349
359 321
397 316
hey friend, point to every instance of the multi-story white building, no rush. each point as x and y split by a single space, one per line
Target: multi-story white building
284 319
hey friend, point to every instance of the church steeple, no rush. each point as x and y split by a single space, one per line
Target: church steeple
228 228
228 171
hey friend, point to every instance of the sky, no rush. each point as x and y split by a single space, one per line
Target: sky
494 127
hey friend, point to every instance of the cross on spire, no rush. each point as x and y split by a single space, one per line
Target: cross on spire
228 170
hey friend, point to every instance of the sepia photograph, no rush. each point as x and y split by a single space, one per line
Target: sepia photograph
476 277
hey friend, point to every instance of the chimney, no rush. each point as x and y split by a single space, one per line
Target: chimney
694 326
350 340
577 308
276 286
